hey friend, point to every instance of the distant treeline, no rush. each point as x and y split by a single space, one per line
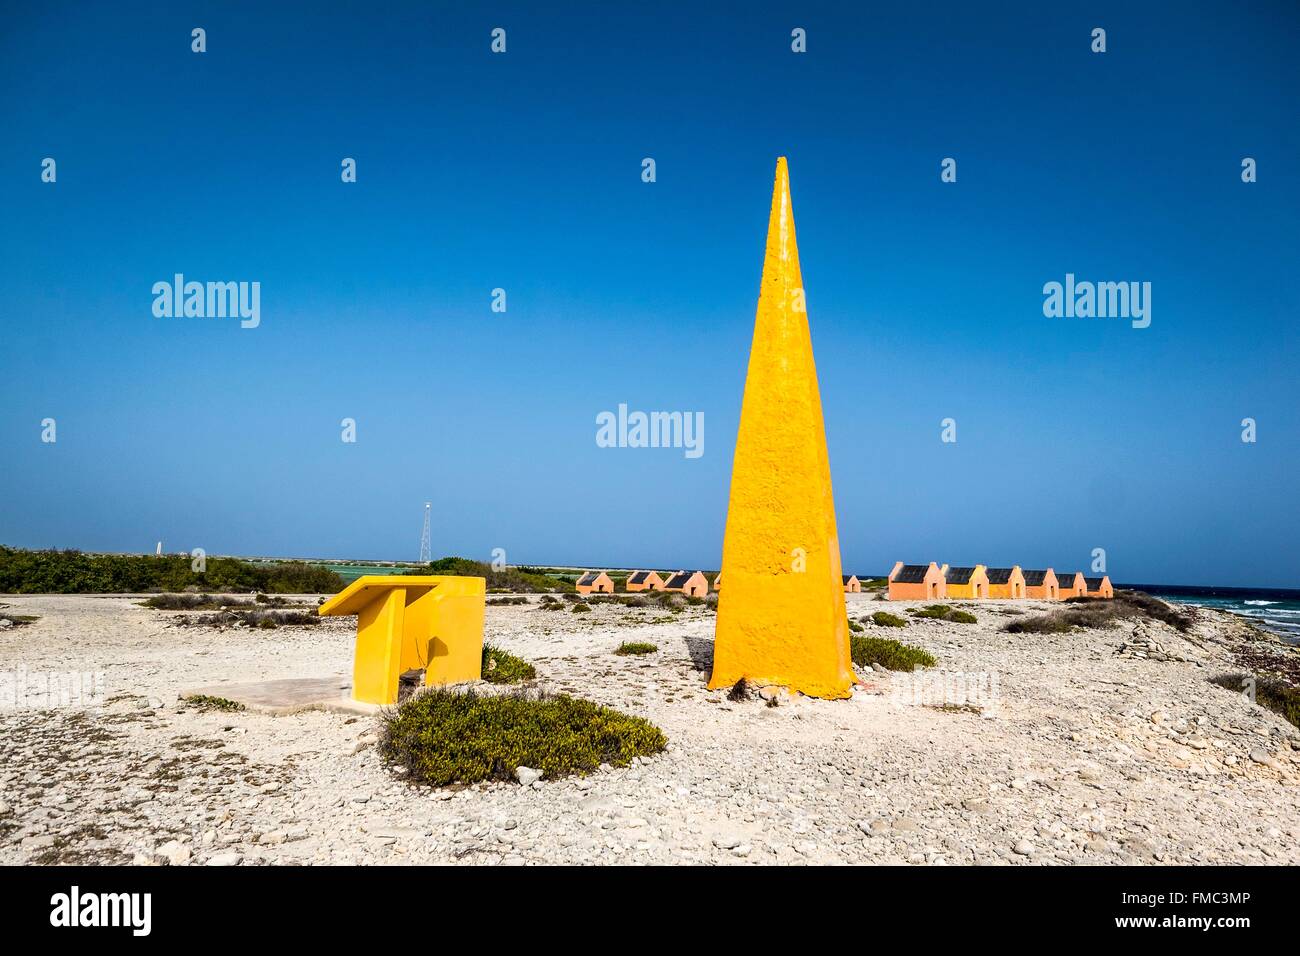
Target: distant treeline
507 579
74 572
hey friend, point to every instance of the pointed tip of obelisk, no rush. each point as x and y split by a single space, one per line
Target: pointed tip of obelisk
781 184
780 227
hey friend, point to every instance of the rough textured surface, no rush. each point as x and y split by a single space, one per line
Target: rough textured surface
781 615
1092 756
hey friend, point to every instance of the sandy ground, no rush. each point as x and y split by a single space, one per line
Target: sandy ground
1077 754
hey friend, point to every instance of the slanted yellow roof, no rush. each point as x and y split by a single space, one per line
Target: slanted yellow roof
365 588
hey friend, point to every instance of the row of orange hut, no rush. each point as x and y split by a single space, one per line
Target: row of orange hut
690 583
920 582
907 582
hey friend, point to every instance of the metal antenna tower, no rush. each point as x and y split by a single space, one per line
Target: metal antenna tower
426 545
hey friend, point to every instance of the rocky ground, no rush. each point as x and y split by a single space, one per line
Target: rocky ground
1092 747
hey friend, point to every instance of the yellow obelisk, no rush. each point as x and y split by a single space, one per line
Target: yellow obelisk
781 619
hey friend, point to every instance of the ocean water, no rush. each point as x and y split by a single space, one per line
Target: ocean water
1275 609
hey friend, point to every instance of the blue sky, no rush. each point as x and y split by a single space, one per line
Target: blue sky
523 171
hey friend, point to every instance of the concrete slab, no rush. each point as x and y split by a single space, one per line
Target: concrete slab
277 697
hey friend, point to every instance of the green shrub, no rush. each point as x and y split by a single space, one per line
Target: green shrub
264 619
207 702
1052 623
581 608
889 654
500 667
498 601
885 619
855 627
942 612
73 572
1100 613
183 602
443 737
1276 695
299 577
636 647
939 611
518 579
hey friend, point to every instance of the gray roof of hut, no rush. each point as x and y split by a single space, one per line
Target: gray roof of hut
589 578
679 579
1033 579
638 577
999 575
911 574
1093 583
959 575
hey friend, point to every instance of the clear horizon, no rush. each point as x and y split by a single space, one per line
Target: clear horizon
632 567
523 171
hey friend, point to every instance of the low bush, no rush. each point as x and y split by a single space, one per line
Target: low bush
442 737
262 619
74 572
666 599
207 702
299 577
580 608
187 602
855 627
943 612
499 601
931 610
889 654
517 579
1100 613
1278 696
636 647
885 619
1052 623
501 667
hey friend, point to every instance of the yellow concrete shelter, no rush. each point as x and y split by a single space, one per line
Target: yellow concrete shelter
432 623
782 620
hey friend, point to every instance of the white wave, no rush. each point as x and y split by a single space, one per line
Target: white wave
1261 602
